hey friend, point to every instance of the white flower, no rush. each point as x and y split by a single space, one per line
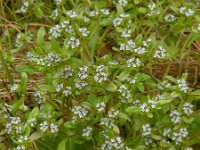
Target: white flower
140 50
101 73
58 1
160 53
186 11
175 116
59 87
54 14
127 46
81 112
24 7
93 13
67 72
8 129
112 113
152 102
73 43
53 128
125 92
15 120
100 106
38 97
182 85
20 147
55 31
14 87
126 33
81 84
83 72
18 129
108 122
144 107
32 122
147 141
187 108
166 132
105 11
178 137
133 62
123 2
189 148
84 31
117 22
22 139
198 27
146 129
86 131
170 18
44 126
68 91
72 14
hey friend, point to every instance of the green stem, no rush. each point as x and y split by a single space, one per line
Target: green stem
3 62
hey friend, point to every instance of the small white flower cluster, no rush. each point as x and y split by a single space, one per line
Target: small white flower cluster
67 72
81 84
169 18
178 136
72 43
18 43
67 91
54 14
32 122
153 103
147 141
101 73
126 33
14 87
30 56
164 85
22 147
59 87
80 111
198 27
132 80
84 31
186 11
140 50
82 74
189 148
72 14
86 131
44 126
167 132
146 129
144 107
93 13
133 62
117 21
55 31
100 106
122 2
153 10
105 11
136 102
51 59
127 46
37 96
22 139
58 2
108 122
114 143
161 53
112 113
175 116
187 108
125 92
182 85
24 7
12 122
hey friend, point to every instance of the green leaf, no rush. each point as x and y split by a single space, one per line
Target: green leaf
120 9
34 113
47 88
150 115
138 39
171 79
34 136
156 137
124 74
111 87
27 69
124 116
133 109
62 145
116 129
24 79
142 10
163 102
140 86
40 36
192 38
175 94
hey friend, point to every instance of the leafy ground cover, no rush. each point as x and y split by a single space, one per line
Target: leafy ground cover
80 75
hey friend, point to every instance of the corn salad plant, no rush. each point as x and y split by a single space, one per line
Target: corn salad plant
77 79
